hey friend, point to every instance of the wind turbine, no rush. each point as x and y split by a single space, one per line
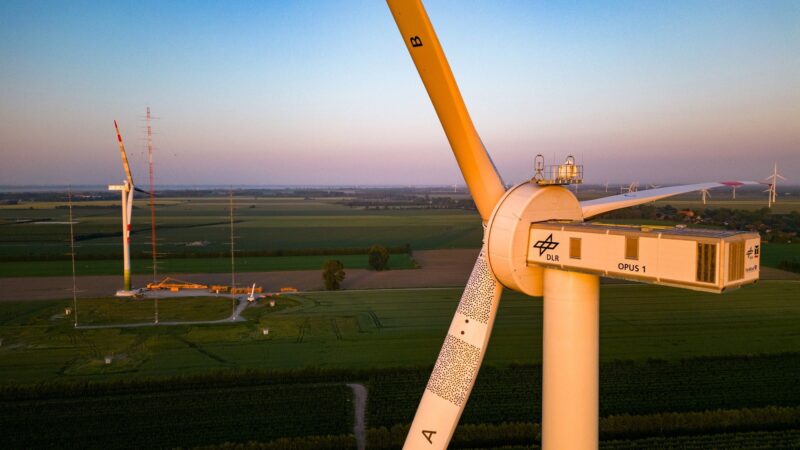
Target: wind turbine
512 218
733 185
773 186
126 188
705 195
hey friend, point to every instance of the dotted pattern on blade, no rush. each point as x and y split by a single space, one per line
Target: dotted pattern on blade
476 301
454 370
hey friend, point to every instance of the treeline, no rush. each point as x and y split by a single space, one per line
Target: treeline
773 227
318 251
411 202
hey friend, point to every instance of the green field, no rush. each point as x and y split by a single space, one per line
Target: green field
194 234
104 311
678 368
389 328
201 226
662 350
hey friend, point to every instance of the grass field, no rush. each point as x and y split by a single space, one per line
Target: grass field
103 311
389 328
773 254
662 349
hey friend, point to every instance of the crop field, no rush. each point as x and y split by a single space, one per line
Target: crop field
678 368
271 233
103 311
200 226
383 328
662 350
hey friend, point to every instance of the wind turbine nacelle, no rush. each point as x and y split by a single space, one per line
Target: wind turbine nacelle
508 232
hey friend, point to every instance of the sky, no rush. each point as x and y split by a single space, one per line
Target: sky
325 93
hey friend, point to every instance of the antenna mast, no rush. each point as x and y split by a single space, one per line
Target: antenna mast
152 195
233 266
152 208
72 255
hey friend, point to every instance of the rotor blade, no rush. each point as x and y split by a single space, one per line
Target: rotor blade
598 206
124 156
143 191
780 176
458 363
479 172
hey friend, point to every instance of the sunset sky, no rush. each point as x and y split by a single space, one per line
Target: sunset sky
324 92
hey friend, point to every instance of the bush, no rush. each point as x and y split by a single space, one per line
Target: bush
378 257
333 274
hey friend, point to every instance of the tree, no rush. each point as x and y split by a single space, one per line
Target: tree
378 257
333 274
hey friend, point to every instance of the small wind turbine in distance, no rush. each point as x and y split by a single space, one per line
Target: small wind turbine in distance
772 190
733 185
563 264
705 195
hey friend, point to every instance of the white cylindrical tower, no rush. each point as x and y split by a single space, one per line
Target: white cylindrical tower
570 360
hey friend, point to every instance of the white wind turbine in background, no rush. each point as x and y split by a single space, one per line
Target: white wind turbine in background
705 195
537 210
126 188
773 186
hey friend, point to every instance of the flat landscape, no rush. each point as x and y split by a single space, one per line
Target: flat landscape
678 368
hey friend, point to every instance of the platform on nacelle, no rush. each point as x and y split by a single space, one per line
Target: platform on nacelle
698 259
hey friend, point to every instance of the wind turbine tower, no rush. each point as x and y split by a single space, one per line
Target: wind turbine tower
126 189
536 242
705 195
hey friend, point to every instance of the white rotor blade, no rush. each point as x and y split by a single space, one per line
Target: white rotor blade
598 206
125 164
458 363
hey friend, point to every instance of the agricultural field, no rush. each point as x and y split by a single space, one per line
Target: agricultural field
678 368
201 227
271 233
383 328
662 350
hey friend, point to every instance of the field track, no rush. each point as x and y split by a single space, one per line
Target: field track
439 268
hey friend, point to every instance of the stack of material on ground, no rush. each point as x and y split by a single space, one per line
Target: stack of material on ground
175 285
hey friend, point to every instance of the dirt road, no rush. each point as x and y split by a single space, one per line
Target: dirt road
439 268
360 406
